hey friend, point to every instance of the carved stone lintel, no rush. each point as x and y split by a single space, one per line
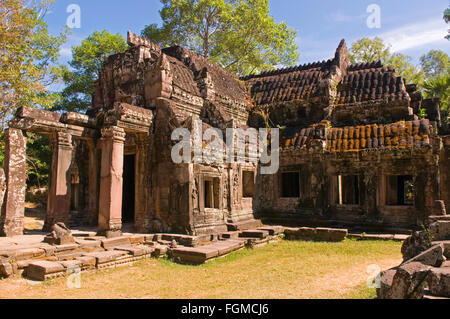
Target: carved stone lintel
114 132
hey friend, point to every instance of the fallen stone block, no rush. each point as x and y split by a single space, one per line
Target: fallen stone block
60 235
439 282
6 269
446 244
111 243
386 279
432 257
409 281
42 270
440 230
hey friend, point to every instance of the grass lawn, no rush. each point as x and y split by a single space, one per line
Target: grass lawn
283 270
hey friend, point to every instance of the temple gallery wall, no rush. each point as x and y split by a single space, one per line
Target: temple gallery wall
354 150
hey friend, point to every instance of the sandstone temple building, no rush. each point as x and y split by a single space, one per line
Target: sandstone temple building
355 148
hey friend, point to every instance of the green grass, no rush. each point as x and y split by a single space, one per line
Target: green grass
283 270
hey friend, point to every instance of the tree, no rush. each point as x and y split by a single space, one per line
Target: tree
447 20
367 50
435 63
239 35
28 56
439 87
87 61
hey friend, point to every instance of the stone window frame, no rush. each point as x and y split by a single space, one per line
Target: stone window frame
334 193
340 193
208 177
280 184
252 171
385 189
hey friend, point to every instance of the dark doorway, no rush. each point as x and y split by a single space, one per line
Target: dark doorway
128 189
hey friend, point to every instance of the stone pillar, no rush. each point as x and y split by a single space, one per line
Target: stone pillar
141 219
13 209
110 208
93 183
58 204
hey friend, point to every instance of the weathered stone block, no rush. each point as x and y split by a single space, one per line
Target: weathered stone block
432 257
386 279
87 262
440 230
60 235
197 255
38 270
254 234
439 281
111 243
329 234
105 256
409 281
6 269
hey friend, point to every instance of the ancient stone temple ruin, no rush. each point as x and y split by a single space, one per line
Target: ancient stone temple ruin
354 149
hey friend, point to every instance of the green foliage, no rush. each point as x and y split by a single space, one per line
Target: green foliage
28 56
239 35
86 64
39 156
447 20
435 63
438 87
367 50
422 115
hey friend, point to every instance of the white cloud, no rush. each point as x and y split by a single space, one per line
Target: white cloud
415 35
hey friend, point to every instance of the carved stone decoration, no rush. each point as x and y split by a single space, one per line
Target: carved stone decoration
195 195
13 209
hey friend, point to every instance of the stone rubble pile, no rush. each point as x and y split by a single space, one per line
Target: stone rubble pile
425 271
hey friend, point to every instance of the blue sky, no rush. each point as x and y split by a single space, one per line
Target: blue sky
412 27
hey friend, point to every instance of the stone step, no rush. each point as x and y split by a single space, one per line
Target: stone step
254 233
273 230
230 235
244 225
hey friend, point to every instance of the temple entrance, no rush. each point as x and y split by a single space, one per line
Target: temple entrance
128 193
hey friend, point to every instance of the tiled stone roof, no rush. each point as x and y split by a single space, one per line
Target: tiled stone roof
368 83
301 82
399 135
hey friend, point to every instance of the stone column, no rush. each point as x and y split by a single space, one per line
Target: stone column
58 204
13 209
110 208
93 183
141 218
